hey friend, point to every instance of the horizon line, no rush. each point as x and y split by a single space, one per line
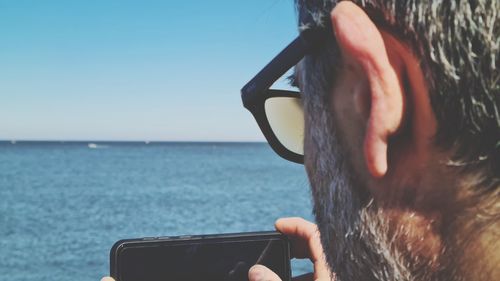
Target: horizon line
131 141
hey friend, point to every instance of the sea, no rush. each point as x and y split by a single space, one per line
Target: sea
64 204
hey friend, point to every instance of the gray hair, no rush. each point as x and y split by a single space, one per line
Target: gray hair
458 44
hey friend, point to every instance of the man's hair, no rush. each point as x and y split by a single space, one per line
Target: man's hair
457 42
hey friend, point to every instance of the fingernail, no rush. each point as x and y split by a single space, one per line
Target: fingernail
255 274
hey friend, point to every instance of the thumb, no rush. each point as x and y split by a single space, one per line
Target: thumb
261 273
107 279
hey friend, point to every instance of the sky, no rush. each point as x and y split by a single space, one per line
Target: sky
135 70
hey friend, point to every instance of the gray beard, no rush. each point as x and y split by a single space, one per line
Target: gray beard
354 232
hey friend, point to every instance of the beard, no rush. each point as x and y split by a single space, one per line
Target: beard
361 241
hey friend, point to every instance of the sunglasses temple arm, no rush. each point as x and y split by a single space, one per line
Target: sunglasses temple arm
285 60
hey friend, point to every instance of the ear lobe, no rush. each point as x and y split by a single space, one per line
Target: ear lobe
362 43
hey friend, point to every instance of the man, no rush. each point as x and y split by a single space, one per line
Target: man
401 144
402 139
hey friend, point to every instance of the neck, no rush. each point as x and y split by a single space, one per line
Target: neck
474 235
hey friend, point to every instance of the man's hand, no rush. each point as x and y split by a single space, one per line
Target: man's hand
107 279
305 243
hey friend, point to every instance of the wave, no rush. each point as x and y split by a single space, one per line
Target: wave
96 146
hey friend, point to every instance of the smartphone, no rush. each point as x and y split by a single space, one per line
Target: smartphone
219 257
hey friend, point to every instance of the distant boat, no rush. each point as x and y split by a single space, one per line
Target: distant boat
92 145
146 142
13 142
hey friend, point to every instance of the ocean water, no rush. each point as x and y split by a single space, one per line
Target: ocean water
63 205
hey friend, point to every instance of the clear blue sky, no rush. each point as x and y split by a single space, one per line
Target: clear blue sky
135 70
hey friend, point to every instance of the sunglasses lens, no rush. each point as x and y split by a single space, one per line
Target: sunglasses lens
286 118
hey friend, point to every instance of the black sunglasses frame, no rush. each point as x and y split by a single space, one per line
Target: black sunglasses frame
256 92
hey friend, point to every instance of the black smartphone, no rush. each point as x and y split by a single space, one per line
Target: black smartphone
219 257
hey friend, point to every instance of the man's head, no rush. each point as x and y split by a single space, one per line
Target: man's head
402 142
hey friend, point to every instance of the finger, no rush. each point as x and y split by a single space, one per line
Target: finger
304 277
306 243
107 279
261 273
304 236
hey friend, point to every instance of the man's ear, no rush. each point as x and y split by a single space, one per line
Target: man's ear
361 42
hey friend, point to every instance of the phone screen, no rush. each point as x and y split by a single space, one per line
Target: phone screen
201 260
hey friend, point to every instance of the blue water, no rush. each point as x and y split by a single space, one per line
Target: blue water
63 205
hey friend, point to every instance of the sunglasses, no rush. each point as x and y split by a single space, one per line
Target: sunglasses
279 113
